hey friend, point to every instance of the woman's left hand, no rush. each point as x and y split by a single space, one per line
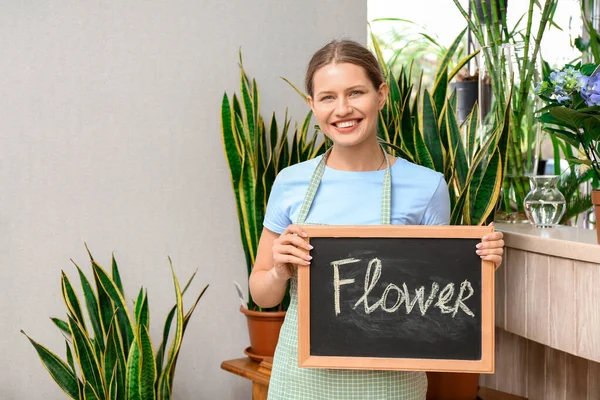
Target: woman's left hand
491 247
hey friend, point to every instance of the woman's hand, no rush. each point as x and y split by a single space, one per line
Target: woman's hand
289 252
491 247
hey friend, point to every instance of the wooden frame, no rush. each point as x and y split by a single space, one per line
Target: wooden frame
485 365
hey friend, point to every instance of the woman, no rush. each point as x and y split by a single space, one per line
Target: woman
354 179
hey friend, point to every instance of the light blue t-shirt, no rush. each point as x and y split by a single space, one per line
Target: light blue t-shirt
419 196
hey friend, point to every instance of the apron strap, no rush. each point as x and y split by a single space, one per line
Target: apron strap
315 180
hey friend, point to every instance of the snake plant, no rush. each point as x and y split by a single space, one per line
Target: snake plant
422 127
255 155
112 357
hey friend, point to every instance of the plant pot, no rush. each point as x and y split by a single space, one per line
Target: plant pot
466 97
596 203
452 386
263 329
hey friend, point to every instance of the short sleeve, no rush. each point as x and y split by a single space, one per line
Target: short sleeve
437 211
277 219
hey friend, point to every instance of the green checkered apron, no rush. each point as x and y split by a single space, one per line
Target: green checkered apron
288 382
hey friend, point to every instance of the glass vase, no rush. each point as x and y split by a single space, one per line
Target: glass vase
544 204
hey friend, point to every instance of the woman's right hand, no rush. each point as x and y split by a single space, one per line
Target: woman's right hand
289 252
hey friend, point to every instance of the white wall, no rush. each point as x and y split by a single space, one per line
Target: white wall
110 135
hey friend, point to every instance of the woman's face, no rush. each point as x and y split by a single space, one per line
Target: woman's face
346 104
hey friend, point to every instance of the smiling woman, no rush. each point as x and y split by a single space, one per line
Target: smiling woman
350 91
354 183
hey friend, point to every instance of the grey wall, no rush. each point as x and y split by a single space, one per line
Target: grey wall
110 135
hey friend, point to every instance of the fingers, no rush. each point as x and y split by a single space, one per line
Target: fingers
294 241
294 229
289 254
494 244
293 235
493 236
489 252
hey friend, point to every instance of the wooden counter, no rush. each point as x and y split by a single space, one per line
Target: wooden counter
548 314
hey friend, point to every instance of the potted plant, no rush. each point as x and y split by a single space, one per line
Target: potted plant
572 114
112 358
426 131
511 57
255 154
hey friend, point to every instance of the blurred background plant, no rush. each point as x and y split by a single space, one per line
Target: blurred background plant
550 27
406 43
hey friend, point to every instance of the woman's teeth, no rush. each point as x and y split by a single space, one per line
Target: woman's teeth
346 124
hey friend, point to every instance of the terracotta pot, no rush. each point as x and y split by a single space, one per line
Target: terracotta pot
263 328
596 203
452 386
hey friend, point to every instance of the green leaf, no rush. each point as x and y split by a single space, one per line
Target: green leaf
431 133
377 51
167 328
247 192
113 391
114 361
142 313
70 356
164 387
458 158
439 91
71 300
132 381
573 118
406 128
186 319
564 135
148 368
89 364
488 191
62 325
442 72
92 307
461 64
124 320
591 130
116 276
300 92
58 369
137 306
90 393
423 155
473 122
249 117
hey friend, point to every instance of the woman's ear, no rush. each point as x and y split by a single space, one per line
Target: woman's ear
382 94
309 100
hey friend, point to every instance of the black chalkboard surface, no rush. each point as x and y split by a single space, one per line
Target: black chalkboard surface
396 298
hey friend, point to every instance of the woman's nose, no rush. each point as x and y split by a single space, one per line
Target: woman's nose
343 107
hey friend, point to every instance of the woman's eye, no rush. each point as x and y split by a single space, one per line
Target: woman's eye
356 93
326 98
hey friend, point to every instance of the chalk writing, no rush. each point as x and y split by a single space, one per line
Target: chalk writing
444 302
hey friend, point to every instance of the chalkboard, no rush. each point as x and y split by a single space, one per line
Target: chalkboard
396 297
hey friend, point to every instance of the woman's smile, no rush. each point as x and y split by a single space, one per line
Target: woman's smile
347 126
